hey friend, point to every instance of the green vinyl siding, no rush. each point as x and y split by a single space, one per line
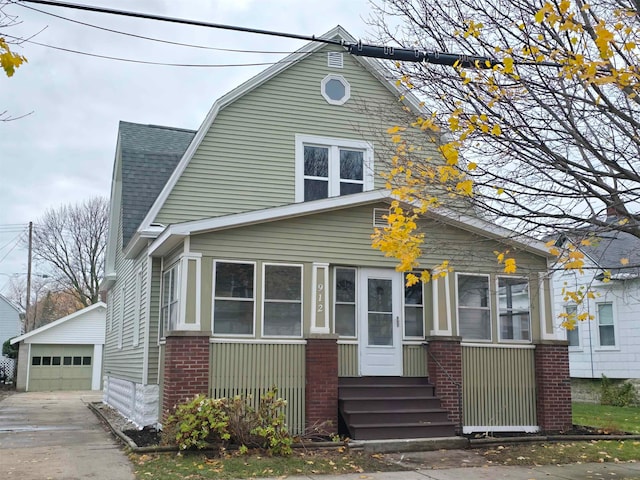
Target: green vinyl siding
499 386
253 368
126 362
248 155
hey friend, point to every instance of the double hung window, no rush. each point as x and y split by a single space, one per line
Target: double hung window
513 305
170 298
345 302
606 326
328 167
234 298
413 310
573 336
282 300
474 313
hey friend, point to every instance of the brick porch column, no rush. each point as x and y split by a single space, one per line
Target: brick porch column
444 365
321 390
186 368
553 386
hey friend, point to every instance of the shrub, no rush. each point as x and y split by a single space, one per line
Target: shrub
203 422
9 350
617 394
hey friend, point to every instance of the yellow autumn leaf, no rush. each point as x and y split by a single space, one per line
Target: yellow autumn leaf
585 242
510 265
496 130
394 129
624 261
465 187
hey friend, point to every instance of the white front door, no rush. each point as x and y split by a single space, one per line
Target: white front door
379 322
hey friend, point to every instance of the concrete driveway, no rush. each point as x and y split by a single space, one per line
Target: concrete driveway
54 435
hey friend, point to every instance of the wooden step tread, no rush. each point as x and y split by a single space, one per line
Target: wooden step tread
391 410
401 425
375 397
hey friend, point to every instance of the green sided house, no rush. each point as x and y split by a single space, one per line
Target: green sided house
240 258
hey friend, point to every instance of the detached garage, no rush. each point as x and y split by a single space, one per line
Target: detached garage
65 354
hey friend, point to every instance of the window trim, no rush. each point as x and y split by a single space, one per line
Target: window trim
355 302
489 308
347 89
614 324
334 168
174 266
404 305
263 298
137 315
498 325
213 298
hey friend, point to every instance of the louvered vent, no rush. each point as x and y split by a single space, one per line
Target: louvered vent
379 217
334 59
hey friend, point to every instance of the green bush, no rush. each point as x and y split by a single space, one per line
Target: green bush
204 422
9 350
617 394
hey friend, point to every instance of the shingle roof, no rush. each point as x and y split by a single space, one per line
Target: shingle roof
610 248
149 154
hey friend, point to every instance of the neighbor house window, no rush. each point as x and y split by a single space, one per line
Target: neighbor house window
413 310
345 302
330 167
474 315
606 326
234 298
573 336
170 298
513 309
282 300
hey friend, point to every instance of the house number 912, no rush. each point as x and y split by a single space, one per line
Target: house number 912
320 301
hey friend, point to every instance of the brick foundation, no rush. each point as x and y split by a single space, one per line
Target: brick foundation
444 364
553 386
186 369
321 391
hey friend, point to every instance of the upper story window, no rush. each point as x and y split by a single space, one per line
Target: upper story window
335 89
330 167
234 298
573 336
170 298
474 309
606 325
513 306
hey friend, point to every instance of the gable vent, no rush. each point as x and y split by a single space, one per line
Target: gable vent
378 217
334 59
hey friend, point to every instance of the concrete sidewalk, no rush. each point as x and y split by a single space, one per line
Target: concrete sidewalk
54 435
617 471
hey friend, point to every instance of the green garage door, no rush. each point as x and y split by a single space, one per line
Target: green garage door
60 367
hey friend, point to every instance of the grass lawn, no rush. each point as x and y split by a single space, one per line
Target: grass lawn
607 418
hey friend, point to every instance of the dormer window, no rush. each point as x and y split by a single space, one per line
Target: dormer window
330 167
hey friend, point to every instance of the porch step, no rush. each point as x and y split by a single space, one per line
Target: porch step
374 408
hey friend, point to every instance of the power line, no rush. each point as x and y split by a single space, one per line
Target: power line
144 62
153 39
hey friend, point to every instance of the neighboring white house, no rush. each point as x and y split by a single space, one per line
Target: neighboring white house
10 326
609 344
65 354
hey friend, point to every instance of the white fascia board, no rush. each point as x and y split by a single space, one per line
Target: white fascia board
223 102
107 282
59 321
114 210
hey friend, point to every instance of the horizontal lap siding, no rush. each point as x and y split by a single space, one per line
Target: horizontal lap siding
251 369
247 158
499 386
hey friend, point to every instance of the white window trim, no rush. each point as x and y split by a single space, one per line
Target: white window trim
184 260
345 84
356 303
262 300
491 319
497 285
137 317
406 337
599 347
121 317
334 167
213 297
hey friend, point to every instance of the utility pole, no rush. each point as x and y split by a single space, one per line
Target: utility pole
28 303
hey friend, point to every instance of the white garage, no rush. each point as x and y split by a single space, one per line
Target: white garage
65 354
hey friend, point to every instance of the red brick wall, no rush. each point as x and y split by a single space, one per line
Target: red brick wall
553 387
186 370
444 364
321 389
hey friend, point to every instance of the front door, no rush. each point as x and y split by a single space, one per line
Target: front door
379 322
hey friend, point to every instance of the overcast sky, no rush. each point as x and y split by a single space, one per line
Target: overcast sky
63 152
